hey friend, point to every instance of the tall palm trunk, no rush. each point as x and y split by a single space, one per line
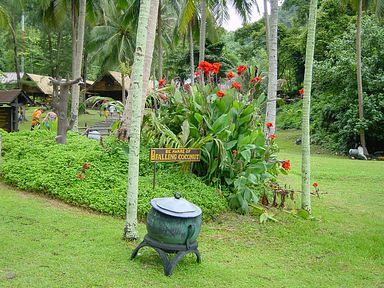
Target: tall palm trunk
203 28
266 20
78 57
15 53
125 126
160 43
306 146
130 229
359 76
270 115
191 55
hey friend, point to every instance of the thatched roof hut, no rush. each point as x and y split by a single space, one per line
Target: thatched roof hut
37 85
110 85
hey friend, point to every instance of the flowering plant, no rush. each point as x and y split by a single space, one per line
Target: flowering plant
223 119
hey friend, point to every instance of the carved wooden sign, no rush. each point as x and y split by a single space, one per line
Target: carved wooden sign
174 155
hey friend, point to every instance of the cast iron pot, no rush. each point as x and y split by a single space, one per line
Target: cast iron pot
173 220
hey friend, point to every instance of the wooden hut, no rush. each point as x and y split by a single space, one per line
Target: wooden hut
10 103
110 85
37 86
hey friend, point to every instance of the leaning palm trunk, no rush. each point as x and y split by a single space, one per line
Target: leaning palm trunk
125 126
270 114
130 229
78 49
359 76
306 157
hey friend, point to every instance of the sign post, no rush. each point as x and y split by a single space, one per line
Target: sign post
172 155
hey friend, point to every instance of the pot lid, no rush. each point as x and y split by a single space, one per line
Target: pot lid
176 206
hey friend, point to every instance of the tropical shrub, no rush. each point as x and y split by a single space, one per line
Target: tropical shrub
86 174
223 118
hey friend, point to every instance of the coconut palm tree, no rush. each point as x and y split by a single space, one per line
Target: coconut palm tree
360 5
270 114
130 229
305 168
8 14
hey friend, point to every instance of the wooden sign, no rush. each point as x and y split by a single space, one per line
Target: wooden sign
174 155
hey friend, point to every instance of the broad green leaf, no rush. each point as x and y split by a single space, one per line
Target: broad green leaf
229 145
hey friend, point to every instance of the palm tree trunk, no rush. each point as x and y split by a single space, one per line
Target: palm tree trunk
272 76
160 46
191 55
79 44
203 27
125 126
15 54
306 145
266 20
137 86
359 75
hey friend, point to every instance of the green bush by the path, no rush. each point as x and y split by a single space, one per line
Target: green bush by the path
33 161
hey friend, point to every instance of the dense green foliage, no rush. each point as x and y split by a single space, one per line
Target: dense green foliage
33 161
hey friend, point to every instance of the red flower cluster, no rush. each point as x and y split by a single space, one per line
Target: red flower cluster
315 184
162 83
269 124
230 75
272 136
256 79
241 69
236 85
286 165
197 74
207 67
301 91
220 94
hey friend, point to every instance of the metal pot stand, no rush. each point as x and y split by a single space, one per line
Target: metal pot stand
164 249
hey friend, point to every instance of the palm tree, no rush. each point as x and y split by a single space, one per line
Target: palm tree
360 5
306 157
130 229
270 114
8 14
77 57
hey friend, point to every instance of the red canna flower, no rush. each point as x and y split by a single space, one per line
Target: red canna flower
301 91
269 124
256 79
272 136
241 69
236 85
206 67
162 83
220 94
216 68
85 166
230 75
286 165
315 184
197 74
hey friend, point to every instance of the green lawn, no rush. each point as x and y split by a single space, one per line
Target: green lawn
45 243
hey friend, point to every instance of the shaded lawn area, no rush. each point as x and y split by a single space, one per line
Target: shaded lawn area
45 243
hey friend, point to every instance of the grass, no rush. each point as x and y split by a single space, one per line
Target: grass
48 244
